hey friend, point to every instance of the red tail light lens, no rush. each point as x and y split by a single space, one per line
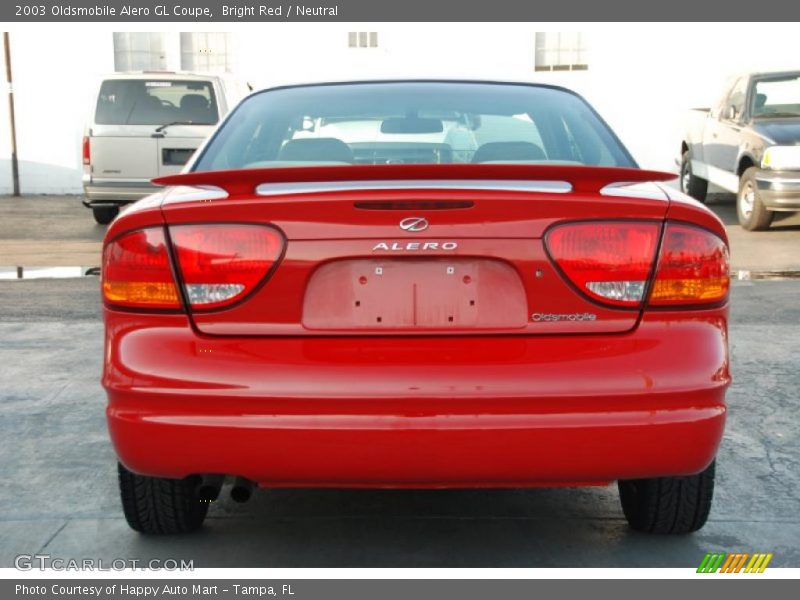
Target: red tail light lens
136 271
608 261
221 264
87 151
693 267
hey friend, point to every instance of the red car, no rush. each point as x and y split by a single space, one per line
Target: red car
415 284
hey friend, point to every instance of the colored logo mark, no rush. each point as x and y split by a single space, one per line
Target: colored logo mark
722 562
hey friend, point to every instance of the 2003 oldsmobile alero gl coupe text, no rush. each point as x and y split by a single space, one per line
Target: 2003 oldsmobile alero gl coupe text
415 284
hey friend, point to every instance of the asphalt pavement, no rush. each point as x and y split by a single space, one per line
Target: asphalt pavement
60 494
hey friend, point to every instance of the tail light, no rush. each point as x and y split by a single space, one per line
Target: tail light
221 264
611 262
608 261
87 151
136 271
693 267
218 264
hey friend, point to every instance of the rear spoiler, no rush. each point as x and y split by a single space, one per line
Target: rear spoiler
243 182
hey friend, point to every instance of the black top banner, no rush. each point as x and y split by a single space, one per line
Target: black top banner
207 11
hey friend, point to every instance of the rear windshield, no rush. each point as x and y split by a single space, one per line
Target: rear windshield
156 102
412 123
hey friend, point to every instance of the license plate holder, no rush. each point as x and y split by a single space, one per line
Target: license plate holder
403 294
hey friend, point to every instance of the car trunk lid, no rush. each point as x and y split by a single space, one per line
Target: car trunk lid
473 260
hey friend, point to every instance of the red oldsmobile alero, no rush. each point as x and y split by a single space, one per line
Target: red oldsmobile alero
415 284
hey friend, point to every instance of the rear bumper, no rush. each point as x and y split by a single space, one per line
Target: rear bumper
432 412
116 193
779 190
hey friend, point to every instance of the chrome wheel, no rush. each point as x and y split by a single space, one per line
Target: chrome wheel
747 199
753 215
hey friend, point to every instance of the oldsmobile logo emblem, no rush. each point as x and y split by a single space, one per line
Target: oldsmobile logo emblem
414 224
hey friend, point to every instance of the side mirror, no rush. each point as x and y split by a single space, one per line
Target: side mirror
730 113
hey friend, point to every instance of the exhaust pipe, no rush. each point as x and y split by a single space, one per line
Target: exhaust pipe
208 490
242 490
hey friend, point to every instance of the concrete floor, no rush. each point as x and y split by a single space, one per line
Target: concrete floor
59 495
777 249
73 237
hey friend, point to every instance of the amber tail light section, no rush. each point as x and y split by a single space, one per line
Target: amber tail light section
136 271
693 267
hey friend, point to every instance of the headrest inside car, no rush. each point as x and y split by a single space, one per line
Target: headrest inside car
194 102
412 125
498 151
316 150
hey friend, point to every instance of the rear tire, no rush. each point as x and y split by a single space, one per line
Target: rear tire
692 185
105 214
750 209
154 505
668 504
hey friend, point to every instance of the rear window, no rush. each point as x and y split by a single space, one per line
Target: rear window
156 102
412 123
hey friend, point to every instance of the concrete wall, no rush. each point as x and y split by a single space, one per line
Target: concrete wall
54 73
641 77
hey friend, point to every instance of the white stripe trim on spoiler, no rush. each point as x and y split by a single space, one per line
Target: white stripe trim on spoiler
510 185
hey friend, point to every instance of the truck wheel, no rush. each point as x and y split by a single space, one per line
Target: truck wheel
154 505
750 209
105 214
668 504
691 184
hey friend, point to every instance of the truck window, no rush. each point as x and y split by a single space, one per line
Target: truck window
778 97
737 98
156 102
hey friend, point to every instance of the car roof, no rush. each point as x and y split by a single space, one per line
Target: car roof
769 74
159 75
415 80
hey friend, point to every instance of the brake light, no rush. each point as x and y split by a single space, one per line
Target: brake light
608 261
693 267
87 151
136 271
221 263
